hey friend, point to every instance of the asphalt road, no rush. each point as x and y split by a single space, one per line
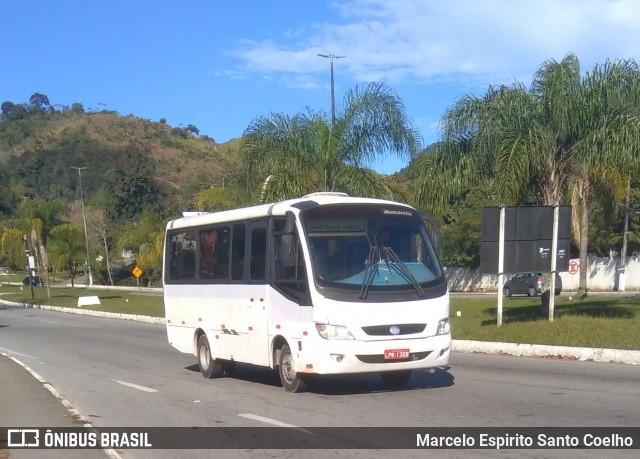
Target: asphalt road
122 373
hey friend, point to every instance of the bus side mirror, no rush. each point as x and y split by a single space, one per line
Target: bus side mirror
287 250
290 226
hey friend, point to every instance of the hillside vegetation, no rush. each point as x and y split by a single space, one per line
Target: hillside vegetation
124 156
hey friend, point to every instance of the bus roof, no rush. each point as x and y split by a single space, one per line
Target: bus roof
278 208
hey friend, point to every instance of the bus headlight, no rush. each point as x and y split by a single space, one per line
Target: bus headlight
334 331
443 327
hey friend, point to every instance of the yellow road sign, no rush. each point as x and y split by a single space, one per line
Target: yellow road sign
137 272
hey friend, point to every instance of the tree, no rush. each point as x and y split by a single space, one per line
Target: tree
192 129
290 156
12 244
100 224
77 108
145 238
216 198
6 107
67 246
40 101
39 217
560 132
133 181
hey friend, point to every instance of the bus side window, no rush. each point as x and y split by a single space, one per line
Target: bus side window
182 259
258 254
237 251
221 258
289 267
208 241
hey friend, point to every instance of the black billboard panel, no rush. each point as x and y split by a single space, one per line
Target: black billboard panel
528 235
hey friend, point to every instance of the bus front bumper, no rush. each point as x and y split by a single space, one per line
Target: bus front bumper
351 356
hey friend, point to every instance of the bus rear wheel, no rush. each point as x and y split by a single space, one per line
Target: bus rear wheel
396 378
208 366
291 381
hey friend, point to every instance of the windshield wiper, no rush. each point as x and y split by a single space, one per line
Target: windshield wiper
378 253
402 270
369 273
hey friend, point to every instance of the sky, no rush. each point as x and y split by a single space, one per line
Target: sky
219 64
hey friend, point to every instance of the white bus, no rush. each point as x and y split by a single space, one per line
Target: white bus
324 284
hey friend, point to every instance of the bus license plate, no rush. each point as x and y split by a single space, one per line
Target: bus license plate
396 354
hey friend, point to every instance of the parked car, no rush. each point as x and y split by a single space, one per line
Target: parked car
528 284
36 281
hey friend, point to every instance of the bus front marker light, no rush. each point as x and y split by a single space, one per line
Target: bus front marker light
443 327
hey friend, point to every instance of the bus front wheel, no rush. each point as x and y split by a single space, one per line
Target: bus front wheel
289 378
208 366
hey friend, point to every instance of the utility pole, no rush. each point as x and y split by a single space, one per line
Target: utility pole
84 220
26 247
331 58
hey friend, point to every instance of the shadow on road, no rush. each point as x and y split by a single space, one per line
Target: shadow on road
343 384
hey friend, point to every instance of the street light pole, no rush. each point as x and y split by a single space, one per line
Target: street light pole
331 58
84 221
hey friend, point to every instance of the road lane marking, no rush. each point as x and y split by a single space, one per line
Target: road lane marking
258 418
112 453
9 351
273 422
133 386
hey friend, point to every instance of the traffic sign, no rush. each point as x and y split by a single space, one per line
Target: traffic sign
137 272
573 266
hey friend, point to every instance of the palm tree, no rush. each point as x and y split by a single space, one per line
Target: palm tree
67 246
287 156
40 216
559 133
145 238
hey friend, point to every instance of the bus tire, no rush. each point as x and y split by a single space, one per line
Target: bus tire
396 378
291 381
208 366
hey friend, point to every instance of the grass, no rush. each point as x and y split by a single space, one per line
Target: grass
601 322
119 301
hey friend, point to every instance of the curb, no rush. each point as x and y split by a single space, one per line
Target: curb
89 312
583 354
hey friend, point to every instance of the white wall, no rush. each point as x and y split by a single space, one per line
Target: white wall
602 277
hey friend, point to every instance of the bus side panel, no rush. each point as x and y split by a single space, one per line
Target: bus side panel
180 329
233 316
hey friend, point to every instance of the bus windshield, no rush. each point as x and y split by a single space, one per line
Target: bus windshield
369 249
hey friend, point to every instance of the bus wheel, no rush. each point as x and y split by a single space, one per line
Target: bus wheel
286 369
208 366
396 378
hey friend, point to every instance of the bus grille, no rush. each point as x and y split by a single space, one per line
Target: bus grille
379 358
385 330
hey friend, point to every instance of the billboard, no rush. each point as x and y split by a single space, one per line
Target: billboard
528 234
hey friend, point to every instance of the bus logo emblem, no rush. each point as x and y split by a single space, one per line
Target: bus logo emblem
394 330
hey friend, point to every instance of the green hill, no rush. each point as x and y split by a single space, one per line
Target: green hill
125 158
